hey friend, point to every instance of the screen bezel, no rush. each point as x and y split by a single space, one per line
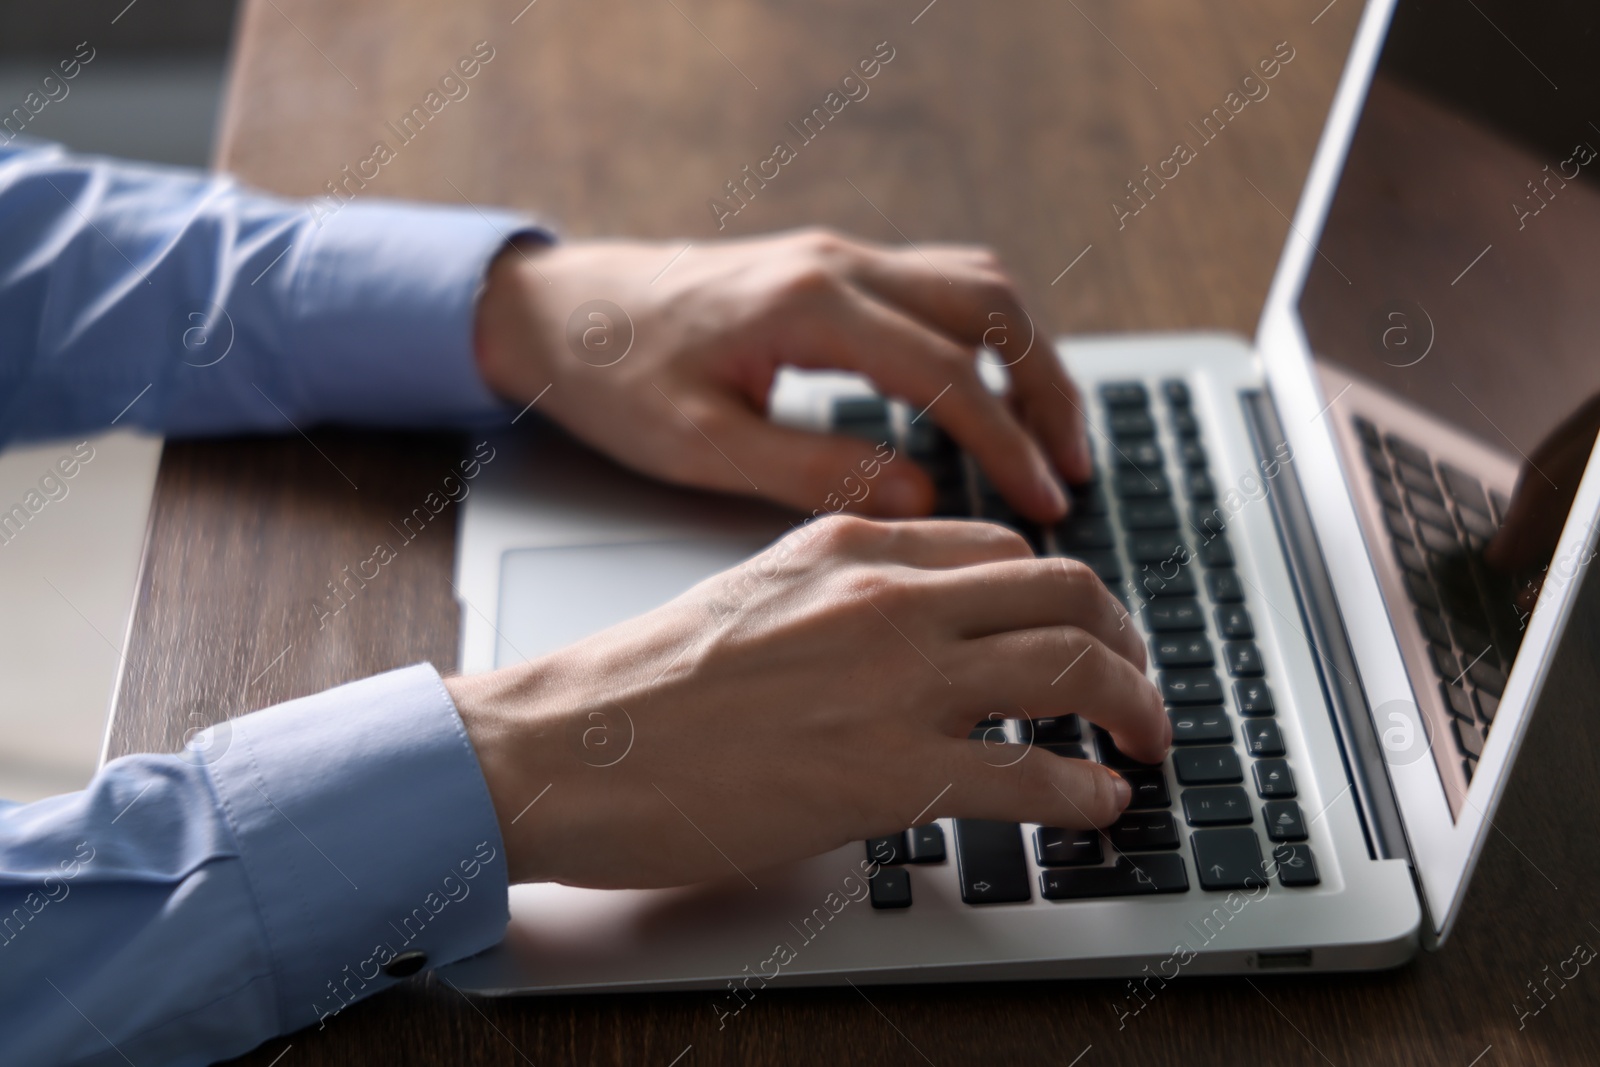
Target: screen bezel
1443 849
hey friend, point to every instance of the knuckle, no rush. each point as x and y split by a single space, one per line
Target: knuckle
1076 579
846 536
805 282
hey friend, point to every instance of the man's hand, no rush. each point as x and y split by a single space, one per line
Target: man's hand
677 385
817 694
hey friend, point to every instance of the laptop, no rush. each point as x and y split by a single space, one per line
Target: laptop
1301 527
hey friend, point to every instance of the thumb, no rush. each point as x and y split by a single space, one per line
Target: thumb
820 471
1031 785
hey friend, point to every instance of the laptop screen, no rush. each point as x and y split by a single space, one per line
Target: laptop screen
1453 310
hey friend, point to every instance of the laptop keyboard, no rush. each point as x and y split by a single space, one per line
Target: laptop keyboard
1150 526
1439 518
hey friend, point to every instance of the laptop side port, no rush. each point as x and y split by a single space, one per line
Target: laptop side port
1283 961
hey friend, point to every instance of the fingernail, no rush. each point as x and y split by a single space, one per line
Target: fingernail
1124 791
900 496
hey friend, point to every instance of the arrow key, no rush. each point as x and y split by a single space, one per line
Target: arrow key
1228 859
992 864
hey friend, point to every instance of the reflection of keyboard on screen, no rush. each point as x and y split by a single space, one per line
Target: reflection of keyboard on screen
1439 519
1149 526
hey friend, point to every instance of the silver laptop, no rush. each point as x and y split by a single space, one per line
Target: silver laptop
1298 526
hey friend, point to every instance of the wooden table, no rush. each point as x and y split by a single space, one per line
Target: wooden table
1015 124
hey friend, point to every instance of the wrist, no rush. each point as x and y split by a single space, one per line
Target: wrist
509 348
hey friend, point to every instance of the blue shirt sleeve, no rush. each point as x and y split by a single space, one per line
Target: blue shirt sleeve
184 908
182 303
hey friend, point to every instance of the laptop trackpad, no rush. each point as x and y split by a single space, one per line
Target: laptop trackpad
551 597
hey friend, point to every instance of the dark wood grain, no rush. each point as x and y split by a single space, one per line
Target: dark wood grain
1014 125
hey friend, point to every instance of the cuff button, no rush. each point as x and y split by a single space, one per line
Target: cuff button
406 964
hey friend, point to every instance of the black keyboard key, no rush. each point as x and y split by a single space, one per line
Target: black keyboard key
1469 739
1174 616
1086 500
1134 484
1243 659
1420 590
1085 533
1480 526
1128 424
1487 706
1216 805
1197 485
1253 698
1410 558
1185 688
1436 540
888 851
862 416
1124 395
1143 831
1433 627
1228 859
1055 847
1284 820
1146 455
891 888
990 732
1192 454
1056 730
1158 548
1367 431
1263 738
1388 494
1176 391
1106 565
1224 586
925 844
1432 514
990 862
1216 552
1274 779
1149 515
1420 486
1487 676
1114 757
1184 424
1182 650
1067 751
1377 462
1444 662
1208 765
1406 452
1234 623
1459 702
1158 873
1399 526
1158 580
1208 521
1465 490
1149 789
1297 867
1200 726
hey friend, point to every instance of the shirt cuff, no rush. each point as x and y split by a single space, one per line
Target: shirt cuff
367 836
383 303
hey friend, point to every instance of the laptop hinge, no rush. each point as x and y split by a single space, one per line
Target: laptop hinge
1359 747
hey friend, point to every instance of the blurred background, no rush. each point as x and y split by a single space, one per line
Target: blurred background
150 92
